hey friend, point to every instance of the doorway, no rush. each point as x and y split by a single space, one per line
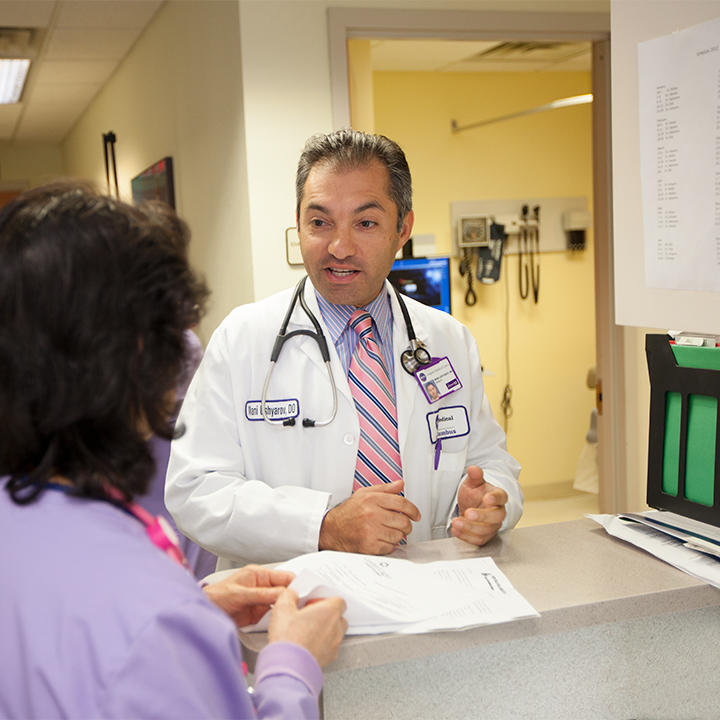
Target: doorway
551 448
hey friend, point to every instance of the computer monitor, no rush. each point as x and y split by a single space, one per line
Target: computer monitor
424 279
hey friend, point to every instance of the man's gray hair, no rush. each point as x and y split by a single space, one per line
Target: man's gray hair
349 149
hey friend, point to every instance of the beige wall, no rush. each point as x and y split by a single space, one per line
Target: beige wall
28 165
552 344
178 93
286 98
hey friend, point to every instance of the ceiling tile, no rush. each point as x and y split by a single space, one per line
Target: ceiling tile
492 66
429 55
26 13
100 44
44 130
422 55
78 46
106 13
48 121
9 115
579 62
74 71
56 98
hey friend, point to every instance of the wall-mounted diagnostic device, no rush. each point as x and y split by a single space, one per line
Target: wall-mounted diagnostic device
575 223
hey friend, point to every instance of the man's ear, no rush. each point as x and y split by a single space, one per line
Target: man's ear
406 229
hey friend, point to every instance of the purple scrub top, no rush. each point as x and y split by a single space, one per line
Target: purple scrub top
96 622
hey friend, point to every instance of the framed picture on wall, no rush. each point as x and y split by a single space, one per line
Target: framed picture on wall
292 247
155 183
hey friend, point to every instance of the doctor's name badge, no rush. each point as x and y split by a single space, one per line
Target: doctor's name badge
437 379
448 422
274 409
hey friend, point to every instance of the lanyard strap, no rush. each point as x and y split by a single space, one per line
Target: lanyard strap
158 529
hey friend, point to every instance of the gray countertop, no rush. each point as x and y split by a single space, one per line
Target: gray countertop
573 573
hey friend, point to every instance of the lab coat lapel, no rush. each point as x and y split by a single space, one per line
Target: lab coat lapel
299 320
407 393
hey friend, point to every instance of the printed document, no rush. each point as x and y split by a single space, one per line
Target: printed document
668 546
679 118
385 594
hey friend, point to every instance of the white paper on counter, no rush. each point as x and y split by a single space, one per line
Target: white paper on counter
385 594
665 547
694 534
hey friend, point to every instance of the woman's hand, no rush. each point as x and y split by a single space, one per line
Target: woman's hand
247 594
319 627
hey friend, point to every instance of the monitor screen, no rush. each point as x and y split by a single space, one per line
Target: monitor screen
155 183
424 279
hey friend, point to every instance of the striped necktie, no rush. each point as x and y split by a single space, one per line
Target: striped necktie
378 457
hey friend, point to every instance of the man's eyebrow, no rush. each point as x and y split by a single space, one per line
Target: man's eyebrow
369 206
318 207
373 204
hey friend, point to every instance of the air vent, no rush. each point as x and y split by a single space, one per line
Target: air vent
16 42
533 50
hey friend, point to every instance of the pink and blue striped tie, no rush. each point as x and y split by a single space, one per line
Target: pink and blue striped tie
378 459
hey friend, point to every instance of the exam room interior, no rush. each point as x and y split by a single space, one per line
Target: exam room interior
410 90
197 105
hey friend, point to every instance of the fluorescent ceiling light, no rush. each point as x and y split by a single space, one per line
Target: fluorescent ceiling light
12 79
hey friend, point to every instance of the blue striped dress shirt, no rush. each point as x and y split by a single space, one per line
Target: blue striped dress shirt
336 318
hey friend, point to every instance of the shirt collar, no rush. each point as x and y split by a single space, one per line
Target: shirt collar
336 317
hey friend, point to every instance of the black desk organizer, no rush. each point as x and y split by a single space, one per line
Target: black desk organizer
666 376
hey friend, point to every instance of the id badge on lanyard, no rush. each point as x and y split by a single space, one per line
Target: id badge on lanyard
437 380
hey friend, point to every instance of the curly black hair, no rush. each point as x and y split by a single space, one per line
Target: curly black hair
95 296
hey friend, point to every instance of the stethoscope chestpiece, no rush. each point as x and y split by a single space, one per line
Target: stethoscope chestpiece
415 357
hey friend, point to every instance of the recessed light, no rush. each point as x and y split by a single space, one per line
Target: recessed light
13 73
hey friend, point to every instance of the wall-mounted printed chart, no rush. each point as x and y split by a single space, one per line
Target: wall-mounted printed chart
679 116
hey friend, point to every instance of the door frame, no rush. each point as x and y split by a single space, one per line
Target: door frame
344 23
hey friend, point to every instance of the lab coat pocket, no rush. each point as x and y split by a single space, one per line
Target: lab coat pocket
446 478
451 461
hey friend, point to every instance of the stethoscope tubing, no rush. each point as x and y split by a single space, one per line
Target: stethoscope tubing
280 340
411 359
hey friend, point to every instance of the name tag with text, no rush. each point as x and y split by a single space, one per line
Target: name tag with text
274 409
448 422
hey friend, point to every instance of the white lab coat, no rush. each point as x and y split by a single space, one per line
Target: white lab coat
254 492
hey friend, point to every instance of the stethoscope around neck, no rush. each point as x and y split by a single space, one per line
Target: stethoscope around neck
411 359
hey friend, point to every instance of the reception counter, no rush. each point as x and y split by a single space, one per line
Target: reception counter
620 635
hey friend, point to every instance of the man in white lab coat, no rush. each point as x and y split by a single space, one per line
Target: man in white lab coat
249 482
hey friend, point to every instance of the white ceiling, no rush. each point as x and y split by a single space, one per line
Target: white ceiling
75 46
479 56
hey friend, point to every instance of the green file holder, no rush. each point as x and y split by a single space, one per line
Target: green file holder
684 446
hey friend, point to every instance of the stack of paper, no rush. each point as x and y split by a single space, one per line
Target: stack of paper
686 544
385 594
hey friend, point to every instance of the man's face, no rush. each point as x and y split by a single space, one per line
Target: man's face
348 231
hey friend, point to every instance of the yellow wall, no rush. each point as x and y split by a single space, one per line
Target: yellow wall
552 344
177 93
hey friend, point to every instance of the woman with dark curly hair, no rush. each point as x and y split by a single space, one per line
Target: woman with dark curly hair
95 297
